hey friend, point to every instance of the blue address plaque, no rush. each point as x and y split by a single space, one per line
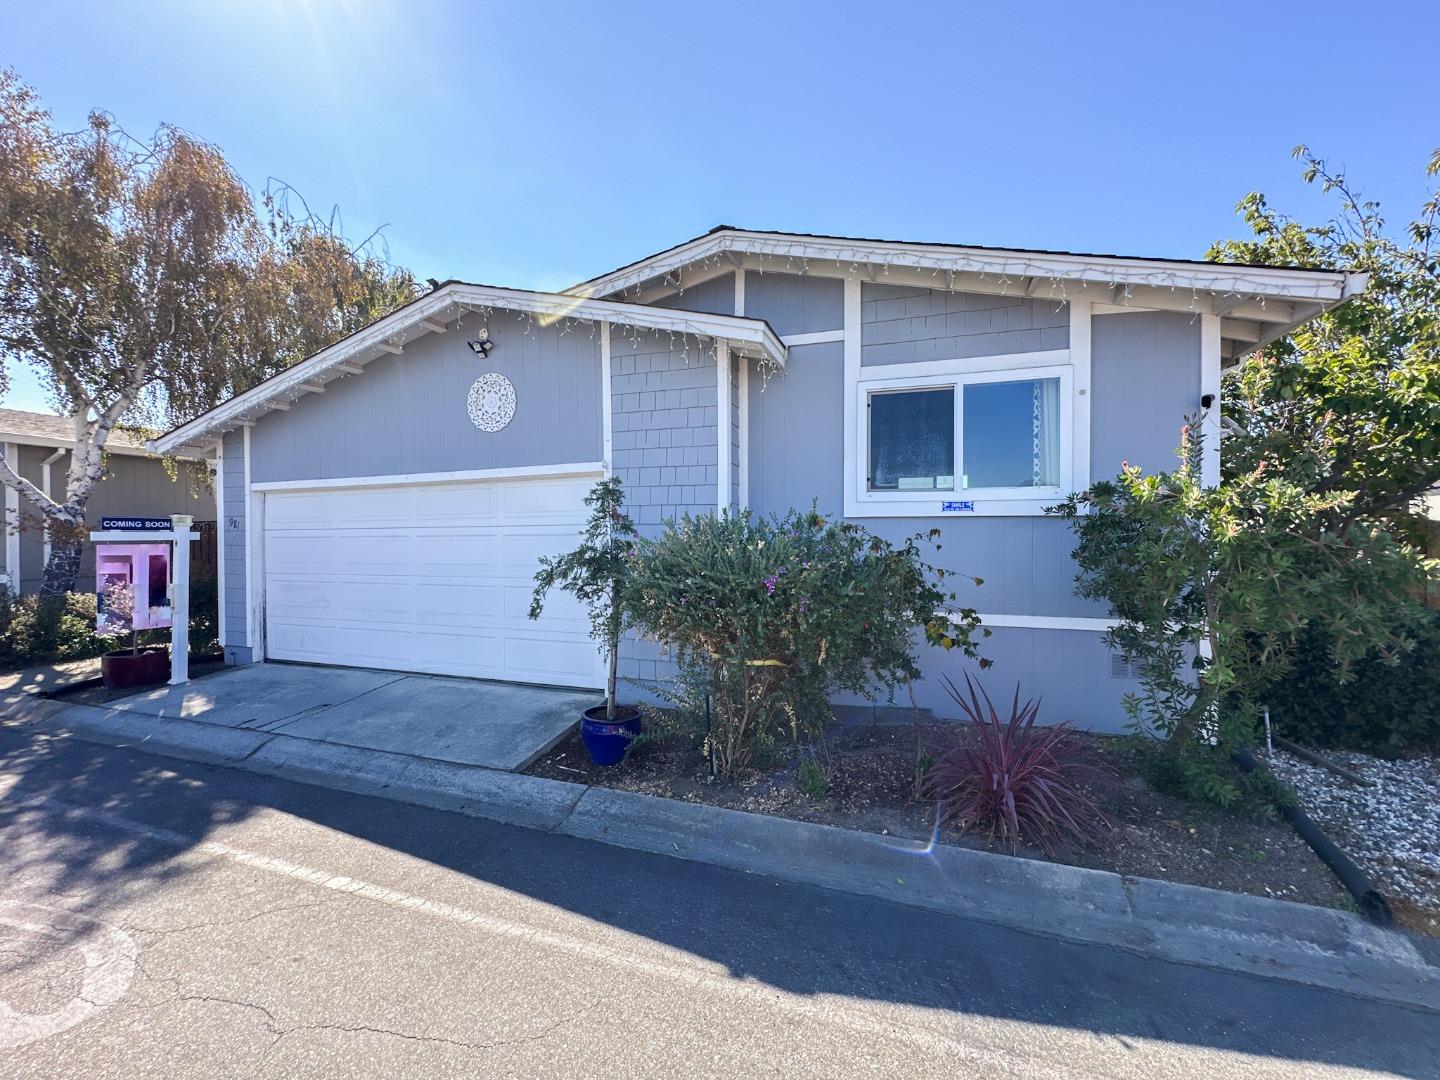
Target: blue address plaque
957 506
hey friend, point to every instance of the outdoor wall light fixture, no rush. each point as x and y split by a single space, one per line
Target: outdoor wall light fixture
482 345
1206 400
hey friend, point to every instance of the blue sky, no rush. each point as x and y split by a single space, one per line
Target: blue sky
536 144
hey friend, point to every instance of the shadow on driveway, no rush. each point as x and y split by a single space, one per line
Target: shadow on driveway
798 939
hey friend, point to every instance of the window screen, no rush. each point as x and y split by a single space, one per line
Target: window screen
912 440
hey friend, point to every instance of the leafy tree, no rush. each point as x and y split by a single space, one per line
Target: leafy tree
142 283
1213 586
1349 403
596 573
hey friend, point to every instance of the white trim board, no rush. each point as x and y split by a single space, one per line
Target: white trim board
12 522
1210 429
522 472
607 401
820 337
125 449
46 480
1045 622
722 426
1280 298
1321 286
220 523
253 504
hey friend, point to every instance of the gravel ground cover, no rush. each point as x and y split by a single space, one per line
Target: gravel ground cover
1391 829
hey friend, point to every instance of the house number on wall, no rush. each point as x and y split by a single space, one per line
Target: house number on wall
492 402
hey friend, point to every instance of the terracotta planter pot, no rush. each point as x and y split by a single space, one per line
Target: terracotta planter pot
123 669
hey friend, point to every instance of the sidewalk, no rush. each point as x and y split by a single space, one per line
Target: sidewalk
43 677
1184 924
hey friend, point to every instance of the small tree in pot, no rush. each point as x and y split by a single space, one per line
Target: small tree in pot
596 573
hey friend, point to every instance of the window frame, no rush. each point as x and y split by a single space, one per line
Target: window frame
956 375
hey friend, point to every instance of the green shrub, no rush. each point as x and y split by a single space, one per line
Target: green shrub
36 631
772 616
1211 588
204 615
811 778
1387 703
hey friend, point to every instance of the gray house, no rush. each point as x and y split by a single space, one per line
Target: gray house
136 482
384 502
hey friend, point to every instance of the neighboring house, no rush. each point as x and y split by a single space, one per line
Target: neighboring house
385 501
135 483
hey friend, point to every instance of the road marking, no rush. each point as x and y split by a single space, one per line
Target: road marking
109 955
826 1011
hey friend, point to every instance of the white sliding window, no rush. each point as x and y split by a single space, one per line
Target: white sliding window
965 442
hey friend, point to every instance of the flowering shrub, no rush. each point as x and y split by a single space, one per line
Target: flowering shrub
1012 780
775 615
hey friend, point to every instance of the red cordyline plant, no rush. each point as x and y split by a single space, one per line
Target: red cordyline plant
1013 780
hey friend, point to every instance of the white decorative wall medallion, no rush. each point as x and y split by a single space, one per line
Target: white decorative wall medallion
492 401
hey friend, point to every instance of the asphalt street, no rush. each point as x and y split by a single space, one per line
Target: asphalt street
162 919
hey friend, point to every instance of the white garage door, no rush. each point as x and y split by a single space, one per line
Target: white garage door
427 577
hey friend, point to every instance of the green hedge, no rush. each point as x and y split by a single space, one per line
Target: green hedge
35 631
1388 706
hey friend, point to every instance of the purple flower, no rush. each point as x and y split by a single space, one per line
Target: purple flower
770 584
804 604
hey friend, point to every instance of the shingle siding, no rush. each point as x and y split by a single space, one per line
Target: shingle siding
664 415
903 325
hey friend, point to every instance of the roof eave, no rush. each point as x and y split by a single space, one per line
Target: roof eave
751 337
1277 282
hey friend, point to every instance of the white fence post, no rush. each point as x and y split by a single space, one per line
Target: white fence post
180 600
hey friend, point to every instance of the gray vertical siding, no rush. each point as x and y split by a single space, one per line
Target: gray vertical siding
1145 380
664 416
902 325
795 303
716 296
32 529
407 414
1144 377
797 431
233 525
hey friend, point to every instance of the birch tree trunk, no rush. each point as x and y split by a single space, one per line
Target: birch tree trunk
65 521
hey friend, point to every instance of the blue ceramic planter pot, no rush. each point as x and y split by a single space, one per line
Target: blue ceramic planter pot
606 740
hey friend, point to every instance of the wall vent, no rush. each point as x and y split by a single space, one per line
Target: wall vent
1120 668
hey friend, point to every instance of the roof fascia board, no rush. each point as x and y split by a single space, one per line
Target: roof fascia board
735 329
27 439
1315 285
752 336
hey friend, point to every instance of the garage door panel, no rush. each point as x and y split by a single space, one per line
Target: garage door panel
335 601
544 500
453 605
532 660
475 554
433 578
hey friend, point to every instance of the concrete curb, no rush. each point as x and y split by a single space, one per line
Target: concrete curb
1185 924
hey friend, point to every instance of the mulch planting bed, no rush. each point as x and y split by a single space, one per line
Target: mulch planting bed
871 774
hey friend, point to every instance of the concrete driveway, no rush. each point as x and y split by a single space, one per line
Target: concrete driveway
466 721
